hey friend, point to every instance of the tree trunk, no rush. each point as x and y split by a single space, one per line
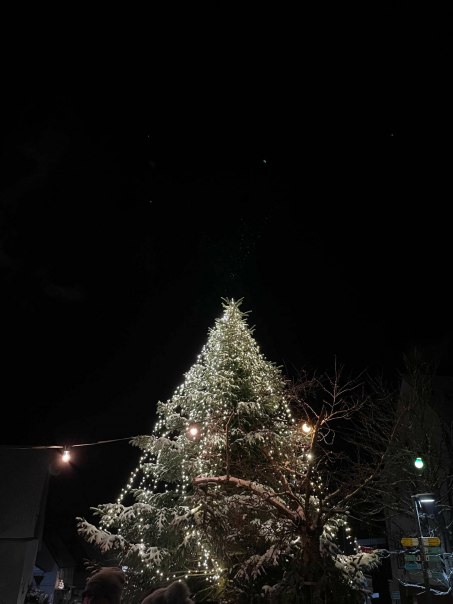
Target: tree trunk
312 568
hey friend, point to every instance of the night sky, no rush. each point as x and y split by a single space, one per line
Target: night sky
124 221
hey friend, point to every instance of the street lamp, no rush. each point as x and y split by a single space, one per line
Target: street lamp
419 463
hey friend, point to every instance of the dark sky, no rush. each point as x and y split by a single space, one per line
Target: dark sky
124 221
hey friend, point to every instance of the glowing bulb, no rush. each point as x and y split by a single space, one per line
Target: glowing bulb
66 455
193 431
306 428
418 463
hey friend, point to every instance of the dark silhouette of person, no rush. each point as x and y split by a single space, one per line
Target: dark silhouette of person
104 586
176 593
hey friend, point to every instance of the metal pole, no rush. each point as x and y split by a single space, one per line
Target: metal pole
422 554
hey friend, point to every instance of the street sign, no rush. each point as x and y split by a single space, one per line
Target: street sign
409 541
431 541
433 550
413 541
412 566
417 558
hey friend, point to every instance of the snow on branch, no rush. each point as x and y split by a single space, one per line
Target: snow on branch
265 493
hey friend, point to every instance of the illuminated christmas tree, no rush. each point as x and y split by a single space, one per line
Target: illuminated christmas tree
228 493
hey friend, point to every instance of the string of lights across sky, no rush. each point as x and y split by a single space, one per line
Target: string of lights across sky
66 449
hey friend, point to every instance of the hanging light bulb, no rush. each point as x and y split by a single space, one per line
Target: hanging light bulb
66 455
306 428
193 431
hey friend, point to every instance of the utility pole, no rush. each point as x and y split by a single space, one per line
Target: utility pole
422 552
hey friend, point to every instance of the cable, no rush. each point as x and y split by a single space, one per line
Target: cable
99 442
